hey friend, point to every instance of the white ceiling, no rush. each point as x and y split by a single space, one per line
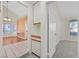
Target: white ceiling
20 8
68 9
17 8
65 9
31 2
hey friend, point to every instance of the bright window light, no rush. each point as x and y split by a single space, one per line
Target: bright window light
73 27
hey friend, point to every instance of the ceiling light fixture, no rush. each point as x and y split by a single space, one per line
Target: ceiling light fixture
7 18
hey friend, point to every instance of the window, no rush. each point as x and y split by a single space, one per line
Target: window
74 27
6 28
9 28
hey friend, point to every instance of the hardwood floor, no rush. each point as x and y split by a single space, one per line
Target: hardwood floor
12 40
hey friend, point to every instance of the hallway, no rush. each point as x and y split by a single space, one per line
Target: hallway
39 29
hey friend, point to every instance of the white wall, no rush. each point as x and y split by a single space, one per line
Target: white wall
13 18
61 13
36 28
67 11
17 7
29 25
44 34
66 29
56 18
55 34
1 27
2 53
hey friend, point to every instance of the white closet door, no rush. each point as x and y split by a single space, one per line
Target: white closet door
52 30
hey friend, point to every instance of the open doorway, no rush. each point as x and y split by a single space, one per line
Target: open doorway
63 41
15 29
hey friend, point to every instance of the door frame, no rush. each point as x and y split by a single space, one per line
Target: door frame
49 2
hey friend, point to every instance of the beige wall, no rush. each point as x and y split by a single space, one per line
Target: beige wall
21 24
21 27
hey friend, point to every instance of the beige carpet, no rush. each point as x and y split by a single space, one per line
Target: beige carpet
66 49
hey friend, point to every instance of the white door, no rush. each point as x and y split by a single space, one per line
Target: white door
52 30
52 39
